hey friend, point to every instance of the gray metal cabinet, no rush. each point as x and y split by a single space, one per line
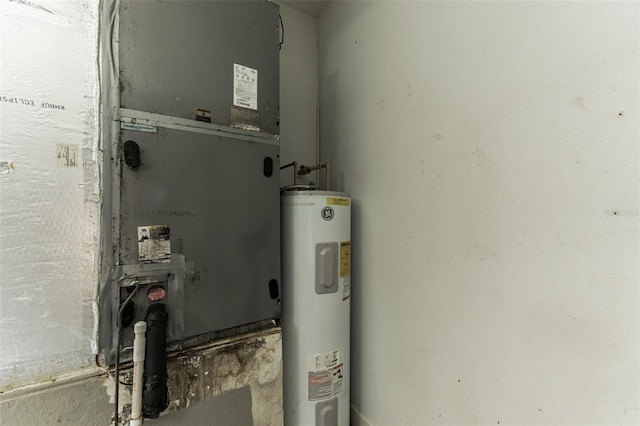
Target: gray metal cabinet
176 56
214 185
223 215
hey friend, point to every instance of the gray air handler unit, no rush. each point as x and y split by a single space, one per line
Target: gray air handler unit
316 301
193 196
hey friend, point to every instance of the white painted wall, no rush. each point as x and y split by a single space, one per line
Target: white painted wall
492 152
298 92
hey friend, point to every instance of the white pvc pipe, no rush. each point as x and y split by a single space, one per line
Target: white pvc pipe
139 345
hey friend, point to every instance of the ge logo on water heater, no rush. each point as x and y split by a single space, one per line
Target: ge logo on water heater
327 213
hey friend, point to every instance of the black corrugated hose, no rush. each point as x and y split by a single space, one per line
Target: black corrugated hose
155 398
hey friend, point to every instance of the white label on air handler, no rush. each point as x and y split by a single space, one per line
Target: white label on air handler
154 244
325 373
138 127
245 87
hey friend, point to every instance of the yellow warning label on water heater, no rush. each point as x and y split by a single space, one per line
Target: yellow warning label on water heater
332 201
345 259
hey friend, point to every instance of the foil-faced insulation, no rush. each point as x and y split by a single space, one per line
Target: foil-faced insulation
49 189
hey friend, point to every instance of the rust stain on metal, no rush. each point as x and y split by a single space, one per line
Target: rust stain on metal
244 118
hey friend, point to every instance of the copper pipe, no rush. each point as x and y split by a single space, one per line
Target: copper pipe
305 170
326 170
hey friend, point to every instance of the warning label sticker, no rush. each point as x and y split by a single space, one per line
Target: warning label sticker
345 259
245 87
346 288
154 244
325 375
332 201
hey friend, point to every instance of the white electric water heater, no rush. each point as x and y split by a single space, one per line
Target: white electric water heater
316 292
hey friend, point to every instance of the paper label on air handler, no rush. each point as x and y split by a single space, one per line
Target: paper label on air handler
245 87
154 244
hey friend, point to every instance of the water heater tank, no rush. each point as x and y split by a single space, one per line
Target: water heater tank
316 291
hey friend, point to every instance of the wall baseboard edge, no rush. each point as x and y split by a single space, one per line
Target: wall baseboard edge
358 419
